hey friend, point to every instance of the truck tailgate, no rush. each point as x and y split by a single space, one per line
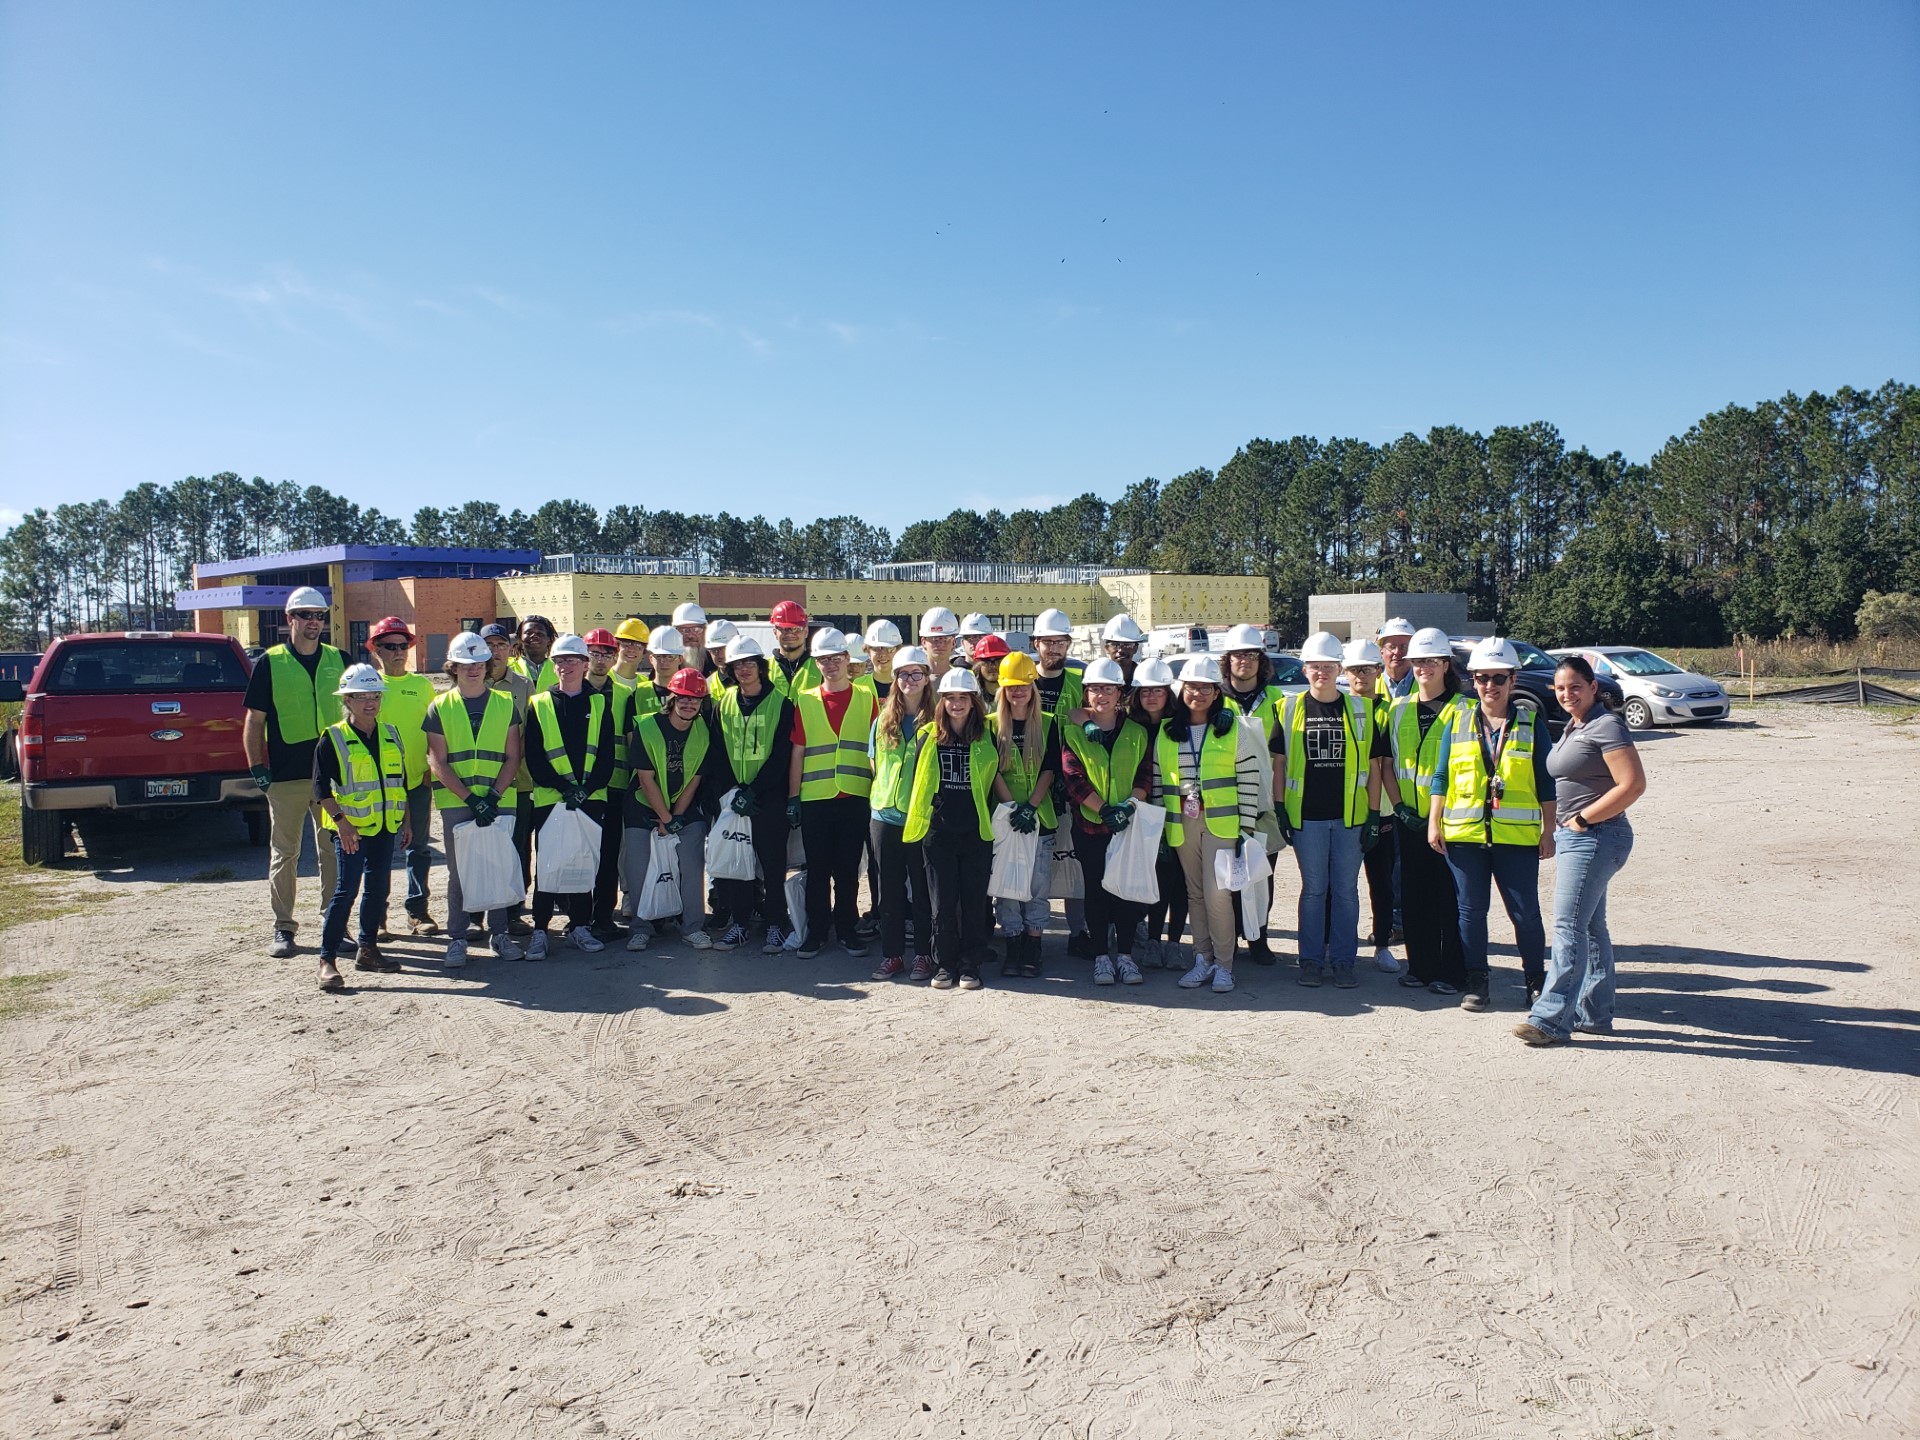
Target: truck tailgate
108 736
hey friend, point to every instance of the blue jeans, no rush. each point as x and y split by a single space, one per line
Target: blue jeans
1516 869
1579 989
371 862
420 853
1328 852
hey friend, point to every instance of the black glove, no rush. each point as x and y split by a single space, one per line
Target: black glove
1408 816
793 813
1223 723
263 777
1286 825
744 801
1370 832
676 824
1025 819
1117 817
575 796
481 806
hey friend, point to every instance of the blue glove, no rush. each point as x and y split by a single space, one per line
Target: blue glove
744 801
1092 730
1223 723
793 813
1025 819
263 777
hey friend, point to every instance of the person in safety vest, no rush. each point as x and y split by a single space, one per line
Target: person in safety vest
404 708
718 635
1029 749
603 651
1107 770
1150 706
883 640
360 784
570 750
501 675
790 667
939 633
534 661
631 663
893 748
473 753
756 727
674 753
828 780
1057 678
1248 685
1329 781
1429 906
290 700
1396 677
1362 663
956 783
1491 815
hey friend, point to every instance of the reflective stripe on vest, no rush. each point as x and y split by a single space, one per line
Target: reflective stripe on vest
541 706
1111 774
1358 720
1219 783
477 760
1465 815
370 799
835 762
749 737
621 693
303 704
1415 757
691 756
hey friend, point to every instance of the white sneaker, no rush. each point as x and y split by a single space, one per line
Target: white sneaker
537 945
1129 972
583 938
1103 971
1222 980
506 948
1201 972
456 955
698 939
1384 962
638 938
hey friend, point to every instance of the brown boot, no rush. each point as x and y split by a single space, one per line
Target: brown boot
368 957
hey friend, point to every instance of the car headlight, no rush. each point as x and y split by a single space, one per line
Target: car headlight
1664 693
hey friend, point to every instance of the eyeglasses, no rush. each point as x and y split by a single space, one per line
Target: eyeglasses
1486 677
306 614
600 653
910 673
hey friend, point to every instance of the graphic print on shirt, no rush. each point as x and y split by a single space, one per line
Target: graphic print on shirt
1326 739
954 774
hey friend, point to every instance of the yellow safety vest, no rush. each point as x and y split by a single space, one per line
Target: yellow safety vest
1359 722
404 706
620 693
1414 759
835 763
546 680
371 799
1219 783
1112 774
749 738
476 759
1466 816
1072 696
1265 707
303 704
806 677
1014 769
541 706
983 763
690 758
893 767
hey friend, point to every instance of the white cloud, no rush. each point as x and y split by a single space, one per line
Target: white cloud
9 517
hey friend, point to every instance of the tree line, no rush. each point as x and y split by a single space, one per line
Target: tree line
1762 521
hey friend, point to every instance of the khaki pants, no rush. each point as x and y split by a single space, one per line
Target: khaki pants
1213 913
290 804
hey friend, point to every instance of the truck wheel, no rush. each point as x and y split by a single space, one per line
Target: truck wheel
43 835
259 827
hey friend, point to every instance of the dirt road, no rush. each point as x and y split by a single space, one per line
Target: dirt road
722 1195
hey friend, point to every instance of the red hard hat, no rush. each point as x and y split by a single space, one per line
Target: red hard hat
688 682
990 647
392 625
789 612
602 637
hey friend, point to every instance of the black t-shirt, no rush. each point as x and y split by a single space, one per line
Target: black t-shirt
1049 688
476 712
289 760
1428 711
1050 755
953 810
572 713
1327 732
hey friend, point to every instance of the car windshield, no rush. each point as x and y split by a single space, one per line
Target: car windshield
1532 657
1287 670
1642 662
110 666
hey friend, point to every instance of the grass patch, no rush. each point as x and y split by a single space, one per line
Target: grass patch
25 994
28 894
207 876
157 995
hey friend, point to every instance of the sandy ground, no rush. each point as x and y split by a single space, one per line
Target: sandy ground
726 1195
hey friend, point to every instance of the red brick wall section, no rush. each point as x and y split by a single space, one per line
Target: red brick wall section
434 608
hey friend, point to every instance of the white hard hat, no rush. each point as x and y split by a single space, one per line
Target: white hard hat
361 680
976 624
1430 644
1151 672
1323 645
468 649
1122 627
1052 623
665 640
1362 652
939 621
1102 672
959 682
828 641
306 598
884 633
719 632
911 655
688 613
1399 625
744 647
569 645
1199 670
1245 637
856 648
1493 653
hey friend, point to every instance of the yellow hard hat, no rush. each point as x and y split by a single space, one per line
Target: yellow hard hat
631 629
1018 669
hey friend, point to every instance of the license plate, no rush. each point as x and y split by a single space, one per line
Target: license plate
167 789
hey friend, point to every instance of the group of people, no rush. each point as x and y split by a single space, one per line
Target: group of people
851 754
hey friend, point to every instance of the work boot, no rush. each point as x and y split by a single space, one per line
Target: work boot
368 957
1478 994
422 924
1016 951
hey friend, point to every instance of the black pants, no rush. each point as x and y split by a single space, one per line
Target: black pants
1109 918
740 898
835 834
1379 866
1429 911
578 908
1167 916
958 865
902 891
523 827
606 879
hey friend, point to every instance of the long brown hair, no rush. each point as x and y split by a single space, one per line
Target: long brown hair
894 709
1034 745
972 730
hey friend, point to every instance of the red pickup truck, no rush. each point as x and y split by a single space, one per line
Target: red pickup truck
136 720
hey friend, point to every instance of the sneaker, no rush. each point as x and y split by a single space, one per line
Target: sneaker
1199 975
944 980
1222 980
1398 936
581 937
537 946
922 968
776 941
732 939
282 946
1146 951
1477 995
638 938
422 925
1533 1035
1103 971
1129 971
970 980
698 939
855 947
456 955
867 926
1310 974
1441 987
505 947
608 931
809 949
1534 987
1080 945
1384 962
891 968
1344 978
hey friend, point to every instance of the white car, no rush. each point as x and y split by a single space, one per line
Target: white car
1657 691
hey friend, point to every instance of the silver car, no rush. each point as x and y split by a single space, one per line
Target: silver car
1657 691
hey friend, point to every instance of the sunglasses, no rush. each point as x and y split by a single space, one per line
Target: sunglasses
1485 679
396 648
306 614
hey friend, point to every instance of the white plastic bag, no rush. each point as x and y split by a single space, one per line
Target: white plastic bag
1013 856
1132 856
1256 900
659 897
730 845
797 907
488 865
796 850
1230 870
568 855
1069 881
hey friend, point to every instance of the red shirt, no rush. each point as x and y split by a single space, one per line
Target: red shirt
836 702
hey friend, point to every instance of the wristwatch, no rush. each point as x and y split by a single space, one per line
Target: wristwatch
1579 822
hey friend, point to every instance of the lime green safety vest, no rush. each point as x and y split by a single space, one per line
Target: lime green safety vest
717 685
690 758
893 766
1114 774
541 706
835 764
1014 771
621 693
1265 707
476 759
1414 758
1219 783
546 680
806 677
1465 815
749 738
983 763
1072 696
646 697
370 799
404 706
303 704
1359 722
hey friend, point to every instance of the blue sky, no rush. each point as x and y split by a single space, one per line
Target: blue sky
891 259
